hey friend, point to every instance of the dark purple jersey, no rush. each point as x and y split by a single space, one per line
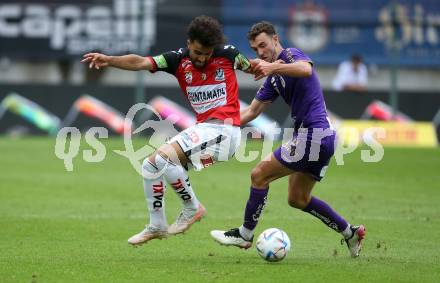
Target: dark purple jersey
303 95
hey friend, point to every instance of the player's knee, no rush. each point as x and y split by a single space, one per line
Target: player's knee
299 201
147 163
161 161
149 166
257 177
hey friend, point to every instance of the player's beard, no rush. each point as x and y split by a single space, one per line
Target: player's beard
273 58
198 64
272 55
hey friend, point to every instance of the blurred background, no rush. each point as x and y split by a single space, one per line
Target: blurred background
379 65
378 61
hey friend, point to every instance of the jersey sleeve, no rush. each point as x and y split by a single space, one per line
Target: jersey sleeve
266 93
166 62
295 54
239 61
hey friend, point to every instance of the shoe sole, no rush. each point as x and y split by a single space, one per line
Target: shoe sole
232 245
159 237
248 245
196 218
361 232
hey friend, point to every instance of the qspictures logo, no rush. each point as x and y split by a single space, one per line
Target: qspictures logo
293 145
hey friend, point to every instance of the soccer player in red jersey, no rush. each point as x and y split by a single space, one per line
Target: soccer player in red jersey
205 70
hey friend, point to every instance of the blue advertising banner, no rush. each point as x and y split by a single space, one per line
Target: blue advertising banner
330 31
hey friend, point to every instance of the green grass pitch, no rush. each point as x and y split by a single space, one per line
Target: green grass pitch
58 226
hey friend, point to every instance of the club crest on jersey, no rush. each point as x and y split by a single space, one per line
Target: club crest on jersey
219 75
188 77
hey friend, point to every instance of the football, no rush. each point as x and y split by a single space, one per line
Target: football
273 244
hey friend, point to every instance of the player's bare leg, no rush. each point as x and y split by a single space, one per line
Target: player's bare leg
300 188
299 196
262 175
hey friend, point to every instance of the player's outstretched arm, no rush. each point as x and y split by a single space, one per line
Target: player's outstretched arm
297 69
252 111
130 62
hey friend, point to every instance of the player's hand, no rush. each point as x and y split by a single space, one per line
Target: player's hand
96 60
263 69
253 63
256 68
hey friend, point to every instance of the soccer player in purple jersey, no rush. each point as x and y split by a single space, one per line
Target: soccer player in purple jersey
305 158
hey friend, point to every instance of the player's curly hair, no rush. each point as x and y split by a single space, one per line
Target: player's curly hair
206 30
261 27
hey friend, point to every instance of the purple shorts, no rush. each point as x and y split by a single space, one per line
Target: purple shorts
306 154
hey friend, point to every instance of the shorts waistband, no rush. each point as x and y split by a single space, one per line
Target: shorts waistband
218 122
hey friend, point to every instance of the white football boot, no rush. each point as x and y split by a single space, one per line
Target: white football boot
149 233
354 243
185 219
231 238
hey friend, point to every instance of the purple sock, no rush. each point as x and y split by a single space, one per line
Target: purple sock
254 207
326 214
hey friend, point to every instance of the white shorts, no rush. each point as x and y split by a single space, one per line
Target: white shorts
209 142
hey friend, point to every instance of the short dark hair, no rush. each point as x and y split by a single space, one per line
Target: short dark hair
261 27
356 58
206 30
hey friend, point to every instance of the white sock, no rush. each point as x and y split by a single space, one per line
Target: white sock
347 233
154 190
246 233
178 178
